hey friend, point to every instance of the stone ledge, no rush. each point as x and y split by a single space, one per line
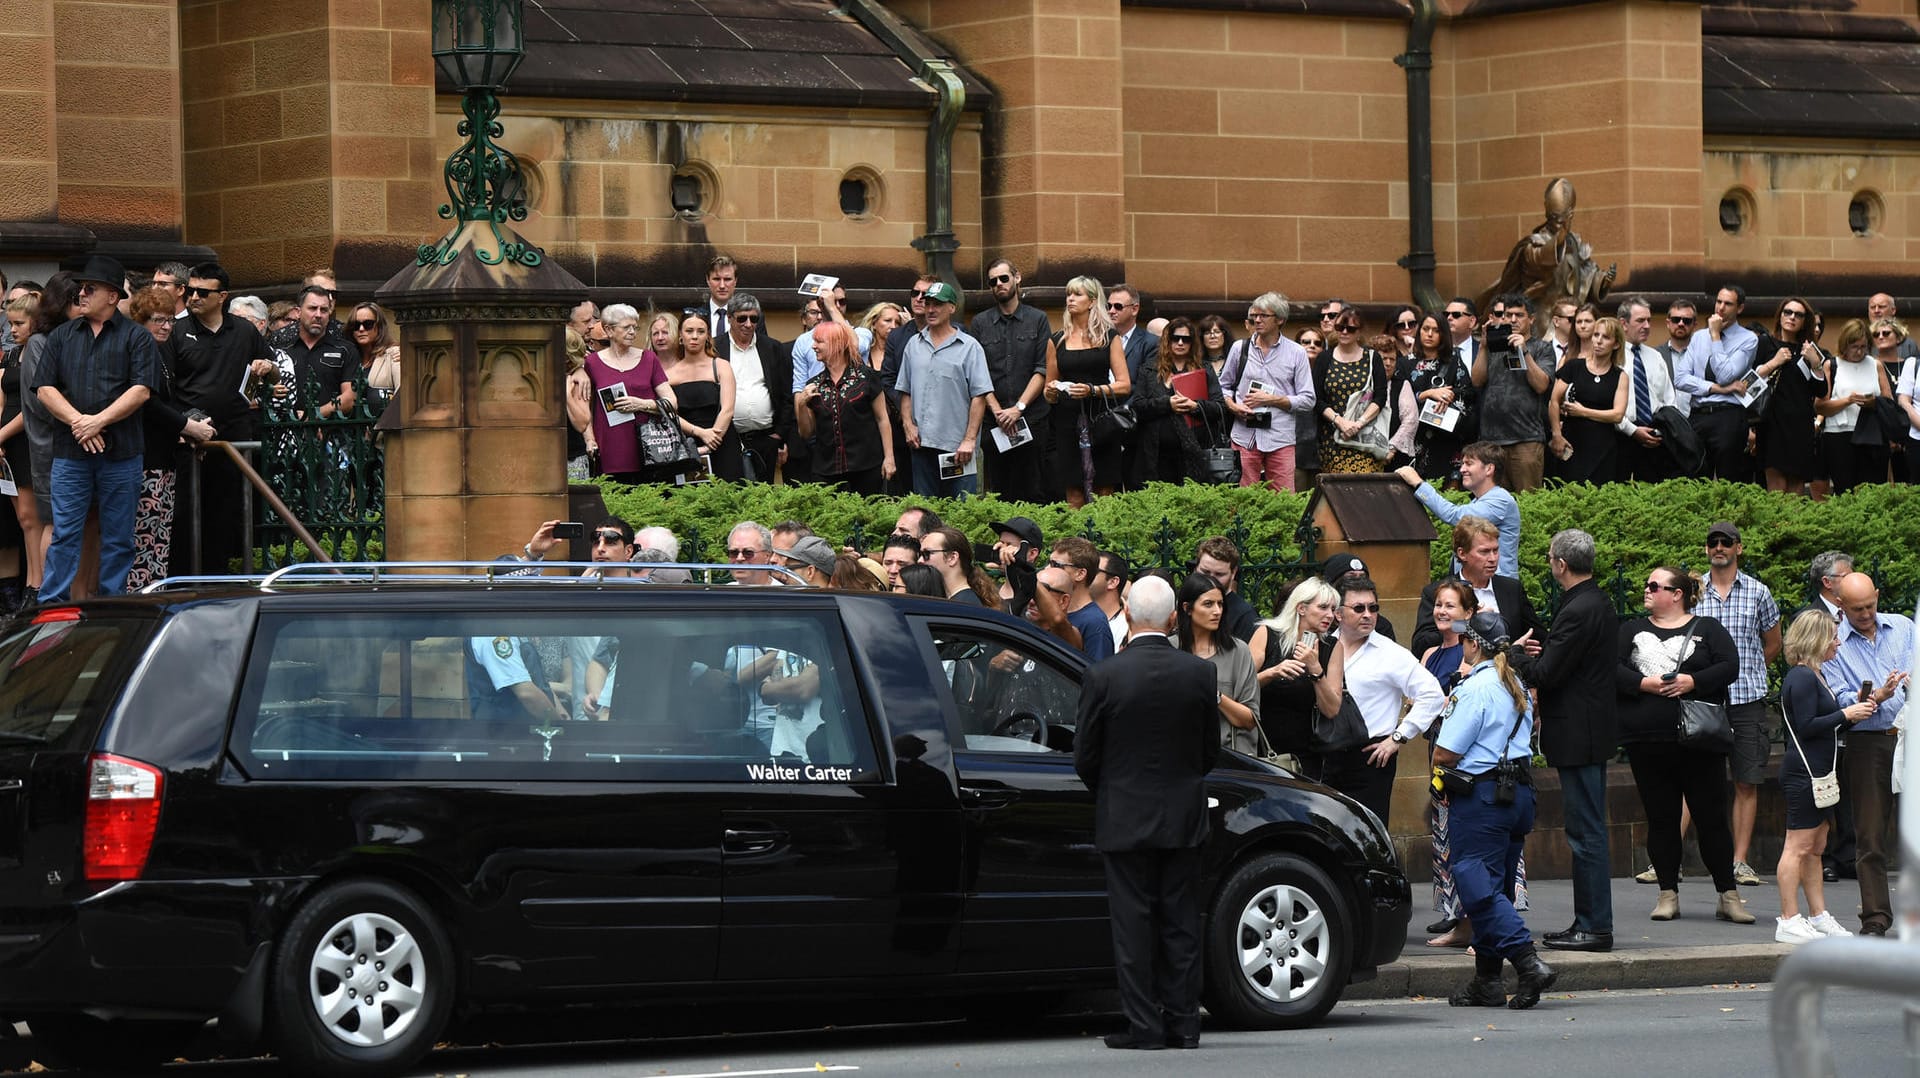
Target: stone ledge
1437 975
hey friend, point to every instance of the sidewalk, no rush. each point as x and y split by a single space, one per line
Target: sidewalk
1695 949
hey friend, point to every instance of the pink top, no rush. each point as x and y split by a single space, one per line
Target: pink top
620 446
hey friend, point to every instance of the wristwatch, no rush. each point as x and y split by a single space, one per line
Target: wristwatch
1399 738
1019 406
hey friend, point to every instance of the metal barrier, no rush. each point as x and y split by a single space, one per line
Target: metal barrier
1801 1048
331 473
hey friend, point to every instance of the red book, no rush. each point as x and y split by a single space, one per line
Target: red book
1193 386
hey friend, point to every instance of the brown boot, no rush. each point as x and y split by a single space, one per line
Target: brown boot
1733 908
1668 907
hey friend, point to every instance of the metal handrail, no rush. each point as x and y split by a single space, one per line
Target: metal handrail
1801 1048
491 572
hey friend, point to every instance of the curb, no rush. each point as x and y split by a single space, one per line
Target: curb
1435 976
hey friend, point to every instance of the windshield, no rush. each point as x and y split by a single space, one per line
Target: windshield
53 674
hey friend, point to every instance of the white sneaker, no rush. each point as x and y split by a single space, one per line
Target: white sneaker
1824 924
1795 930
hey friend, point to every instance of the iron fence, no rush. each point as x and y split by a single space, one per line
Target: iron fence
331 473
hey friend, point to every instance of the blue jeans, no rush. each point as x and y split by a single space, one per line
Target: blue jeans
1486 841
926 476
1583 797
79 485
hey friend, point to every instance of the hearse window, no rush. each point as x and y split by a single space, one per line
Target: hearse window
54 674
662 696
1009 699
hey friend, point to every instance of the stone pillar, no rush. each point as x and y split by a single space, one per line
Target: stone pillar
117 66
28 172
476 441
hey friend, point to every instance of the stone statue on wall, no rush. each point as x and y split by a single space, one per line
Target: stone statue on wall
1552 262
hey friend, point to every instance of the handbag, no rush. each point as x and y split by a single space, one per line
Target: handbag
1703 724
1893 418
663 445
1826 788
1219 460
1372 438
1340 731
1113 425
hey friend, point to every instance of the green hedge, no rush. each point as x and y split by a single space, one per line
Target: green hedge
1636 526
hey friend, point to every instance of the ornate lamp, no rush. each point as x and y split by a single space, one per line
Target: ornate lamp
476 45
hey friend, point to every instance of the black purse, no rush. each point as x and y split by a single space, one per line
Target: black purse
1219 460
1703 724
1343 730
663 446
1112 426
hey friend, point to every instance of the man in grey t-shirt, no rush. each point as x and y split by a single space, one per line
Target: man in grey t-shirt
1513 402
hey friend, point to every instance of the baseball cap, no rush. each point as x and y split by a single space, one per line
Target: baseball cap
1020 526
1340 565
811 550
942 292
1726 528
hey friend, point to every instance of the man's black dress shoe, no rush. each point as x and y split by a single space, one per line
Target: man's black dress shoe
1582 941
1175 1040
1828 874
1443 925
1560 935
1126 1040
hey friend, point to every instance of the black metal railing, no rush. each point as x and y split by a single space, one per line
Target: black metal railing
331 473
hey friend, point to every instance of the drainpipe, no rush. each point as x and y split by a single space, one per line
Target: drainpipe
1418 61
938 243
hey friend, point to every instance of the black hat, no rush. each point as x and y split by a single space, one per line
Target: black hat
104 269
1726 528
1020 526
1488 629
1340 565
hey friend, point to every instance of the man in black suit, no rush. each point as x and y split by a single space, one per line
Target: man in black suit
1574 672
1476 546
1148 732
1143 354
762 392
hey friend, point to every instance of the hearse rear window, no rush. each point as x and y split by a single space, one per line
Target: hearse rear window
671 695
55 674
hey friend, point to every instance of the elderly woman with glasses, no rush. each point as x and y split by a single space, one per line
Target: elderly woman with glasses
1349 377
1268 387
627 381
1668 655
1852 447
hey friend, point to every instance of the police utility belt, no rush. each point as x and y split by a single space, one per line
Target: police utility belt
1508 774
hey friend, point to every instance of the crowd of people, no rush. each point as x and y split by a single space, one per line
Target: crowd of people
113 386
1487 683
1105 397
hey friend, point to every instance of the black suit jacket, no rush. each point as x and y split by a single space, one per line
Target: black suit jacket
1574 673
776 361
1515 610
1147 734
1143 353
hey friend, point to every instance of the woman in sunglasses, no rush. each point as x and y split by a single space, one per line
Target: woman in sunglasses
1855 381
1175 427
1668 655
1788 436
378 376
1348 374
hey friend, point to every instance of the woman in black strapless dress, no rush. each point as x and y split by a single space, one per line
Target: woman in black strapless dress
1090 362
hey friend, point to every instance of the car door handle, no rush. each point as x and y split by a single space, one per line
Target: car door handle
988 797
9 785
753 841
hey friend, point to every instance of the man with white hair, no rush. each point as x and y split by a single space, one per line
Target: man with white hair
251 308
1268 387
1147 733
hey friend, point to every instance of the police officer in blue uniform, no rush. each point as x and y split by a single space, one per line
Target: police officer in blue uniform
1481 770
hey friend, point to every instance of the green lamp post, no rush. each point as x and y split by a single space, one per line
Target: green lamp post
476 45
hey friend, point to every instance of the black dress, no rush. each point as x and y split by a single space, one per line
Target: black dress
699 404
1596 445
15 447
1816 716
1789 443
1081 468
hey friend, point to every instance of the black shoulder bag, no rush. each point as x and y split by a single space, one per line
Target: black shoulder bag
1703 724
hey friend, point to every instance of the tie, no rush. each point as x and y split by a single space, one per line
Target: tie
1642 396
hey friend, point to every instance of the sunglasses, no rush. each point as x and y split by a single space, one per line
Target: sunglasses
918 293
1347 327
1459 314
1654 585
928 552
689 312
364 323
1118 306
1791 313
1365 608
1405 323
1719 541
610 535
1001 278
196 293
1309 340
1051 564
741 552
1885 333
1328 316
1678 320
1181 338
746 319
1056 591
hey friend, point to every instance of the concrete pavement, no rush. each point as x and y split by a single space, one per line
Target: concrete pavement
1695 949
